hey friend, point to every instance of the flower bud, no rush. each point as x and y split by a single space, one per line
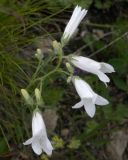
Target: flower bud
39 55
57 47
77 16
38 97
27 97
69 79
69 67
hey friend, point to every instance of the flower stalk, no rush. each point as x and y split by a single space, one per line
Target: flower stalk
88 97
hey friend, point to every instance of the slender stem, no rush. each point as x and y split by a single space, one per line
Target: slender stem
38 68
108 45
78 51
36 72
56 69
5 138
60 56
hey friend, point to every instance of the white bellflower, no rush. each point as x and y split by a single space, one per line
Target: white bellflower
76 18
92 66
88 97
39 140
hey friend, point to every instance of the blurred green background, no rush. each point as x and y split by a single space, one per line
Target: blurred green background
26 25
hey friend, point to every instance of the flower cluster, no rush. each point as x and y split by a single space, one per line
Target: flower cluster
89 98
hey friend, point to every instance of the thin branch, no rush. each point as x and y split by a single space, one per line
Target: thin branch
108 45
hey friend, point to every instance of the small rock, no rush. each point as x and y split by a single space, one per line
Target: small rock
65 132
98 33
50 117
117 146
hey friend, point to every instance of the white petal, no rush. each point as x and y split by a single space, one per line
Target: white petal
85 63
76 21
76 18
49 146
101 101
83 13
46 146
38 124
107 68
103 77
72 20
78 105
89 107
36 146
82 88
29 141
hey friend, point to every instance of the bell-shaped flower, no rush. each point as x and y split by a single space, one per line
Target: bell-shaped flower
39 140
89 65
76 18
88 97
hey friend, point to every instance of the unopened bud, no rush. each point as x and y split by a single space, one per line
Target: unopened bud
39 55
27 97
39 51
69 67
38 97
57 47
69 79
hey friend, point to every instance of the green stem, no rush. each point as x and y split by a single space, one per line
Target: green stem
56 69
5 138
36 72
51 72
38 68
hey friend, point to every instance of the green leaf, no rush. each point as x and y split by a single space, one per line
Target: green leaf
91 125
121 112
118 114
3 146
52 95
74 143
120 65
103 5
120 83
84 4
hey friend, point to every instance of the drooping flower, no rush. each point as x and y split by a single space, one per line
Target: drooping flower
88 97
92 66
39 140
76 18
